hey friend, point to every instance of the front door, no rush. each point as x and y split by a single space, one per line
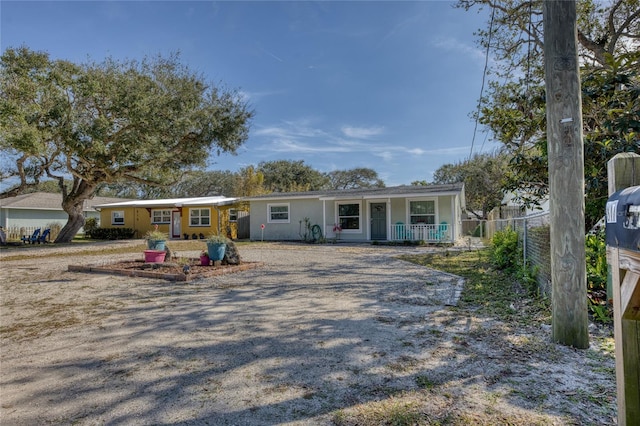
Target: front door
378 221
176 224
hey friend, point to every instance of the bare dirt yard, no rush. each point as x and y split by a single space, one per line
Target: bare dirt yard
319 335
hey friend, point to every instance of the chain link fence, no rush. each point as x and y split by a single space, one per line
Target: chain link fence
533 240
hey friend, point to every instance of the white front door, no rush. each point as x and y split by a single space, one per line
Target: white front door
176 224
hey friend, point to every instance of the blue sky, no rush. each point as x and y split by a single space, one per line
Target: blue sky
384 85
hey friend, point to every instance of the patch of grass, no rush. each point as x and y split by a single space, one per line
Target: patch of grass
488 290
404 363
425 382
392 411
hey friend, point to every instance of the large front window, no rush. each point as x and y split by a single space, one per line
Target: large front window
161 216
349 216
278 213
422 212
200 217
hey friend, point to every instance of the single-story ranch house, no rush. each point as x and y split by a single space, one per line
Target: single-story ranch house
431 213
40 209
179 218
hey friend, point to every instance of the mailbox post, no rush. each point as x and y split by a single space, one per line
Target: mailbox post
623 258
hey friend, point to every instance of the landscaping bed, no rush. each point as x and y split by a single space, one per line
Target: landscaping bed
186 270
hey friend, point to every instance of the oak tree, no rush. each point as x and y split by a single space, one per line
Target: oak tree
143 122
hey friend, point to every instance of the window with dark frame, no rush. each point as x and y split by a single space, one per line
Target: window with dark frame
422 212
117 218
349 216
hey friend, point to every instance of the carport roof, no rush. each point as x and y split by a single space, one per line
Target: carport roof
174 202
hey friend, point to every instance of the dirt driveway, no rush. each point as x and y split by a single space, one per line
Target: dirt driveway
320 335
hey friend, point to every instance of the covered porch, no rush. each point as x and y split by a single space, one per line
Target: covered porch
421 232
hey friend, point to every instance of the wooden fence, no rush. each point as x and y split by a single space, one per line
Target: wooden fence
15 233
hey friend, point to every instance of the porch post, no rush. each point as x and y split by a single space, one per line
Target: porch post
454 218
324 218
388 219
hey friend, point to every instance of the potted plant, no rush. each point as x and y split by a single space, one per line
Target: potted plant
155 239
204 258
216 246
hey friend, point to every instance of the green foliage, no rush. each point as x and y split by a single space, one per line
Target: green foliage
216 239
155 235
514 106
489 290
596 253
483 176
111 122
505 252
291 176
112 233
90 225
359 177
597 271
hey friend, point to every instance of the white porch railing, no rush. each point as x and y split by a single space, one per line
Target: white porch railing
427 233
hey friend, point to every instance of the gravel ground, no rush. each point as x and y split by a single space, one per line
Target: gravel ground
319 335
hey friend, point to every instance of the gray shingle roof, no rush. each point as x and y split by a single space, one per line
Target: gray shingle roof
50 201
398 191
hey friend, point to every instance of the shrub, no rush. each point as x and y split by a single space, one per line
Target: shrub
90 225
112 233
596 253
505 253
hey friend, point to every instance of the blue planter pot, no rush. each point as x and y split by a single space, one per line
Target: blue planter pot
216 251
156 244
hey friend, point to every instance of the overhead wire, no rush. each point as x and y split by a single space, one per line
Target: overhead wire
484 77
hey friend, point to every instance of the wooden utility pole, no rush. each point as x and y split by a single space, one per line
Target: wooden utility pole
566 175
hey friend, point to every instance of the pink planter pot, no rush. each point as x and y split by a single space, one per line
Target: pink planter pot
154 256
204 260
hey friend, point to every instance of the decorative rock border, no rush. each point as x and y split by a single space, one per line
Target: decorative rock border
163 275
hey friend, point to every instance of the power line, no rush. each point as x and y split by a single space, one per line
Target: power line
484 77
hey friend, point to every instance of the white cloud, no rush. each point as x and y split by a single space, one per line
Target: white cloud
362 132
453 44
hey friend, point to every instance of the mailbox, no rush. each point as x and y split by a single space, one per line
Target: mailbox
623 219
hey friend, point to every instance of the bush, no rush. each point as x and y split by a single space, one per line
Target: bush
112 233
505 254
90 225
596 253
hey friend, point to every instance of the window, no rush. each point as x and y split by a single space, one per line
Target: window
422 212
233 215
199 217
278 213
117 218
349 216
161 216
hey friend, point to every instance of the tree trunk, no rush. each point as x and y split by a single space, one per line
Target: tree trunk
73 204
75 222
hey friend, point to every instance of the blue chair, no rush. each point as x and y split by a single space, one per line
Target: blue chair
443 231
44 238
31 239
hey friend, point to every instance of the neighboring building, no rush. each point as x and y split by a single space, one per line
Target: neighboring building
178 217
430 213
40 209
